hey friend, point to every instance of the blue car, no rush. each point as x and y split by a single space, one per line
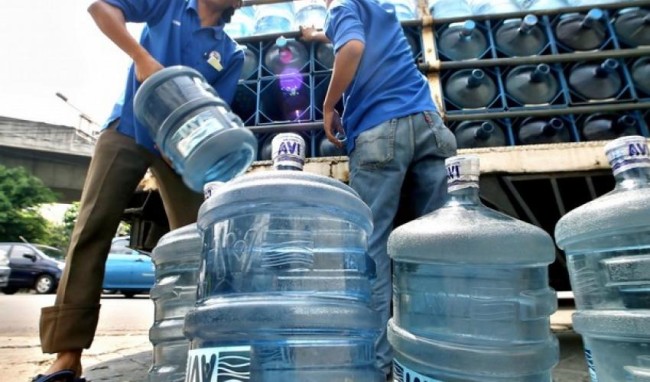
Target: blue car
128 271
31 269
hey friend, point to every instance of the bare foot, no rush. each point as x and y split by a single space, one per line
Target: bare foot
70 360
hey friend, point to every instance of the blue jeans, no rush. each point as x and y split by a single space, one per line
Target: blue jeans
409 150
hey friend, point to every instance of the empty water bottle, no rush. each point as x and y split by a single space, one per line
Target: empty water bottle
251 64
286 98
494 7
607 241
441 9
193 127
274 18
286 57
177 257
521 37
532 84
604 126
403 9
641 75
471 298
471 134
537 5
242 23
462 41
632 26
285 288
470 89
325 54
616 343
539 130
596 81
582 32
310 13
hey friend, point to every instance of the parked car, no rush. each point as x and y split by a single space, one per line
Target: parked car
31 269
128 271
4 268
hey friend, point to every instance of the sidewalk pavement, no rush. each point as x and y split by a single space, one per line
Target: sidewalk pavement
127 357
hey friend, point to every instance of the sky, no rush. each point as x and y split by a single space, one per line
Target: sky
50 46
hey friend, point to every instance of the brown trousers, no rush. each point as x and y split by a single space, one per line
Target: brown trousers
117 167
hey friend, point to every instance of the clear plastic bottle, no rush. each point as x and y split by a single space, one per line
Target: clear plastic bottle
177 258
251 64
632 26
441 9
471 297
596 81
274 18
194 127
310 13
470 89
535 130
532 84
242 23
605 126
640 71
521 37
286 57
607 241
462 41
284 292
472 134
582 32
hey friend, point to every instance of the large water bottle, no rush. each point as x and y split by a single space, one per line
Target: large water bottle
540 130
242 23
632 26
403 9
472 134
441 9
494 7
284 291
521 37
462 41
641 75
310 13
537 5
582 32
177 257
470 89
286 57
607 241
325 54
532 84
596 81
471 298
605 126
251 64
194 127
274 18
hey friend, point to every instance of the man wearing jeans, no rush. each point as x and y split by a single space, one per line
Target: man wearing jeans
394 136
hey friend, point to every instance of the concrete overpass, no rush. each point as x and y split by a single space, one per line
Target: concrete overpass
58 155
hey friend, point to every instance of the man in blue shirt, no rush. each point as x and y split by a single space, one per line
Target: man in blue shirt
177 32
394 136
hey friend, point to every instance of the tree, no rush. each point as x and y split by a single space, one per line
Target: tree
20 194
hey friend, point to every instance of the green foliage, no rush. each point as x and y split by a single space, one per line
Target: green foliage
20 195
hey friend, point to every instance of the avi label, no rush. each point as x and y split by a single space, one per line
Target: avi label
223 364
404 374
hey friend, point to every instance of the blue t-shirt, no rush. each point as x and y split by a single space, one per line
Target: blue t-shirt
387 84
173 35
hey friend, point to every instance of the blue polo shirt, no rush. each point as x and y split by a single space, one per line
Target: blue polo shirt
174 36
387 84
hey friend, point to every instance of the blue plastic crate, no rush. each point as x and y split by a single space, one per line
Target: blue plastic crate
245 102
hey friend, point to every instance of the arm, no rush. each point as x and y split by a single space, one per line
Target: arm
112 23
346 63
311 34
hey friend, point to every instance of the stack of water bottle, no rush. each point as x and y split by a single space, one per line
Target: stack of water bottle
607 243
283 291
471 295
472 87
442 9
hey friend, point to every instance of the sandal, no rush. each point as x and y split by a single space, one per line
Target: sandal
66 375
